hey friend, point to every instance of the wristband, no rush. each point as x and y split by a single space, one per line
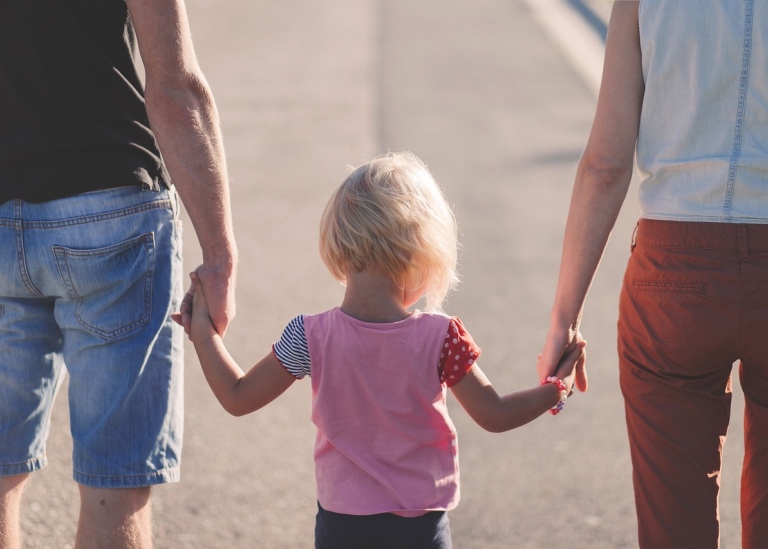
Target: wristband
557 408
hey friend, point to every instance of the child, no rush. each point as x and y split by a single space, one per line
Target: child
385 454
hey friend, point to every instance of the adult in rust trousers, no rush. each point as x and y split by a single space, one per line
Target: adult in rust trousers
685 89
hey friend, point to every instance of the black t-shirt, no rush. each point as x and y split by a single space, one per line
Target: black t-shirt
72 115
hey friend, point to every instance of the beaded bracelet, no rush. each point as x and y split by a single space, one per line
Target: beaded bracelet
563 394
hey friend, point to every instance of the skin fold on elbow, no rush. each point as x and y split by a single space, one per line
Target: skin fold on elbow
495 426
235 408
604 171
603 174
178 97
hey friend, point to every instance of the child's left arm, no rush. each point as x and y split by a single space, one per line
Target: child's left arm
239 393
498 413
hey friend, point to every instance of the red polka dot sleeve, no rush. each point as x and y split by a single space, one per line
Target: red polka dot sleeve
458 355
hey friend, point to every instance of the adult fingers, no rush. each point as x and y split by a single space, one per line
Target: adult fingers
219 296
581 373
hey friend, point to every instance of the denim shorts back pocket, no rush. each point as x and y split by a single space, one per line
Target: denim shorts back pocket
112 286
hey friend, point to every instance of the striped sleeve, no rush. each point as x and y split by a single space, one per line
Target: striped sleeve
292 350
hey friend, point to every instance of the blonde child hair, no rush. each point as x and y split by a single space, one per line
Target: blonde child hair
390 215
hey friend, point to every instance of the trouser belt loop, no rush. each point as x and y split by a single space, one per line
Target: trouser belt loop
743 243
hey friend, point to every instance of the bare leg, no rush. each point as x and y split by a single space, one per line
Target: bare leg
114 519
10 501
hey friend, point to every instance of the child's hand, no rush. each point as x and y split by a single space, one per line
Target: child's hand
572 364
184 317
200 323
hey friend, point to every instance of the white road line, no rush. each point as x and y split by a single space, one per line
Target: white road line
578 41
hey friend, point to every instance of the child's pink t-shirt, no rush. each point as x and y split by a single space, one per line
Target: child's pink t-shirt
385 442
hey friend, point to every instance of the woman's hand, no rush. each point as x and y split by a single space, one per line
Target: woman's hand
572 367
565 357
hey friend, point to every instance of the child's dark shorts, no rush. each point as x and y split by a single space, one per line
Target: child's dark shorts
381 531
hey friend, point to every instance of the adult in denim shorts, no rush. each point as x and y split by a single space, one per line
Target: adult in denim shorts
684 91
90 270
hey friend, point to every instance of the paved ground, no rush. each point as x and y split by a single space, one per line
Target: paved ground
481 94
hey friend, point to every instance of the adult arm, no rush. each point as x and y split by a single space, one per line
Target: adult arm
185 121
602 181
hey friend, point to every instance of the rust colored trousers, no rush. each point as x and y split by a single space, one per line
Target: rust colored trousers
694 301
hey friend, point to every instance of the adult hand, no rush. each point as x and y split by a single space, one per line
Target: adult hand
572 365
219 287
557 346
201 326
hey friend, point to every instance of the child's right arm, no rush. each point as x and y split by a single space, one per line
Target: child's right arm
497 413
239 393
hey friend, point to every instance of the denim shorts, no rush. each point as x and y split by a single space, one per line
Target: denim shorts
87 285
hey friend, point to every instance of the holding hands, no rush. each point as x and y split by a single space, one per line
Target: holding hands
571 368
564 356
200 324
220 294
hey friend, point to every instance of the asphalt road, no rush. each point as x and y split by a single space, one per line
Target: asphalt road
479 92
